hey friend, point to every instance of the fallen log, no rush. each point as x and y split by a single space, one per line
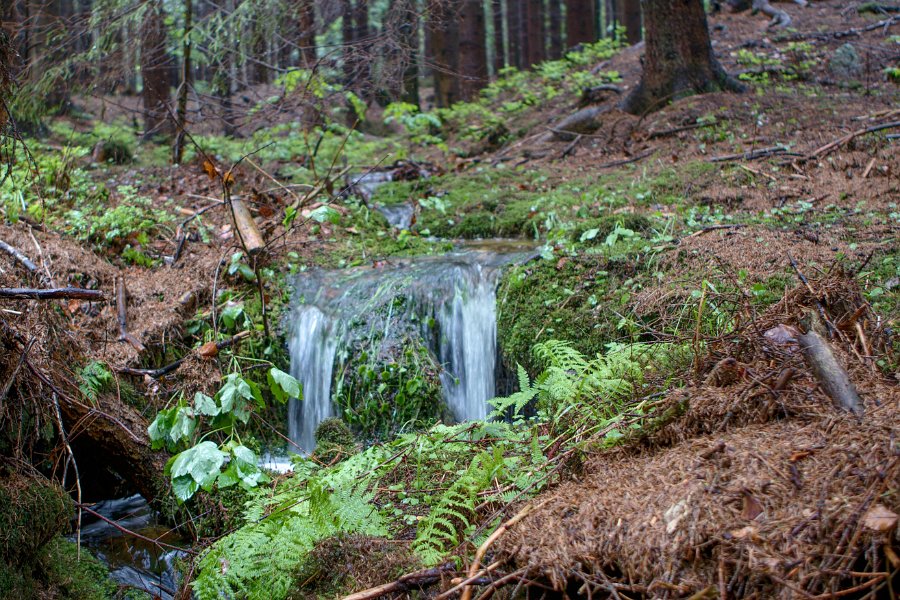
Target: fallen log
206 350
67 293
122 310
830 375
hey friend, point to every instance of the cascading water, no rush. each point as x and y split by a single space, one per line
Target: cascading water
449 300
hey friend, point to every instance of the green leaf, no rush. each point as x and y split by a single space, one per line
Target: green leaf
589 234
184 487
202 462
228 477
184 425
283 386
325 213
205 405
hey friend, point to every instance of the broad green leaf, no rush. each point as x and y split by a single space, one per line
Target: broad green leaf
589 234
201 462
283 386
184 425
184 487
205 405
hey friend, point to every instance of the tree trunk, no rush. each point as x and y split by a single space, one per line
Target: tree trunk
534 31
443 28
628 15
499 46
154 63
184 85
409 39
222 80
472 49
514 31
678 60
580 22
306 24
555 49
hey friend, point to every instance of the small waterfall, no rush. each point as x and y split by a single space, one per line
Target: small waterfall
312 347
449 300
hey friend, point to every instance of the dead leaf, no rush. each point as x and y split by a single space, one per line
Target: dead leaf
228 179
752 507
210 169
798 454
561 263
879 518
744 533
208 350
782 334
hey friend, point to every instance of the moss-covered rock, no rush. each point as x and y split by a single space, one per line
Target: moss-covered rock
32 512
334 441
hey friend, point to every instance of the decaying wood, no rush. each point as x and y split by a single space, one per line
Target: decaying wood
405 583
67 293
831 376
246 227
584 121
207 350
122 310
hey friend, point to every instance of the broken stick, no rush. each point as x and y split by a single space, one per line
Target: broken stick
122 310
67 293
247 230
405 583
202 351
831 376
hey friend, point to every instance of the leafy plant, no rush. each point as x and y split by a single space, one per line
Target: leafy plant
94 378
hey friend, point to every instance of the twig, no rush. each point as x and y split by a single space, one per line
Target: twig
122 312
65 439
181 237
869 168
127 531
12 376
570 148
619 163
404 583
754 154
154 373
482 550
68 293
835 144
700 232
21 258
467 581
805 281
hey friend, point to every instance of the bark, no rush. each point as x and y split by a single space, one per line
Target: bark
472 49
154 69
555 48
347 39
185 84
514 30
306 39
409 39
443 29
581 21
628 15
362 41
678 60
5 64
831 376
222 79
499 45
534 31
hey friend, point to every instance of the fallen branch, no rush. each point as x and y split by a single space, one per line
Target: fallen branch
700 232
122 310
405 583
68 293
482 550
181 237
127 531
834 145
754 154
570 148
836 35
831 376
20 258
626 161
209 349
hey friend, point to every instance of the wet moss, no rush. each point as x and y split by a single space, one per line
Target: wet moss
334 441
70 574
32 512
599 228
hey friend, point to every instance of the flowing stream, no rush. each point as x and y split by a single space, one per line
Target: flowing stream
449 300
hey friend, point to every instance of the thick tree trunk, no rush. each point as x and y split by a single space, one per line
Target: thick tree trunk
347 33
678 60
361 41
628 15
443 29
409 39
185 84
580 22
155 72
472 49
499 46
534 31
554 9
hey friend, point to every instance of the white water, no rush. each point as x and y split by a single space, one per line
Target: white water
312 347
457 291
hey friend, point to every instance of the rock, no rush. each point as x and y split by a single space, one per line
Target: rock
845 63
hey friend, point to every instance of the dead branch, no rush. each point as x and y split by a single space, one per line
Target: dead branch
405 583
67 293
584 121
834 145
836 35
20 258
122 310
246 226
181 237
831 376
754 154
779 17
626 161
206 350
131 533
700 232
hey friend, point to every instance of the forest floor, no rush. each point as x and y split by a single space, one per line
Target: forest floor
713 222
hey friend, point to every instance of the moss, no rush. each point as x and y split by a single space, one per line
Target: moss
344 564
72 576
606 224
32 512
217 512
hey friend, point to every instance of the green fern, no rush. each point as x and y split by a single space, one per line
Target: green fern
93 379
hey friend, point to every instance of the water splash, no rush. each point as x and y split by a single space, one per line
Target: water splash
449 299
